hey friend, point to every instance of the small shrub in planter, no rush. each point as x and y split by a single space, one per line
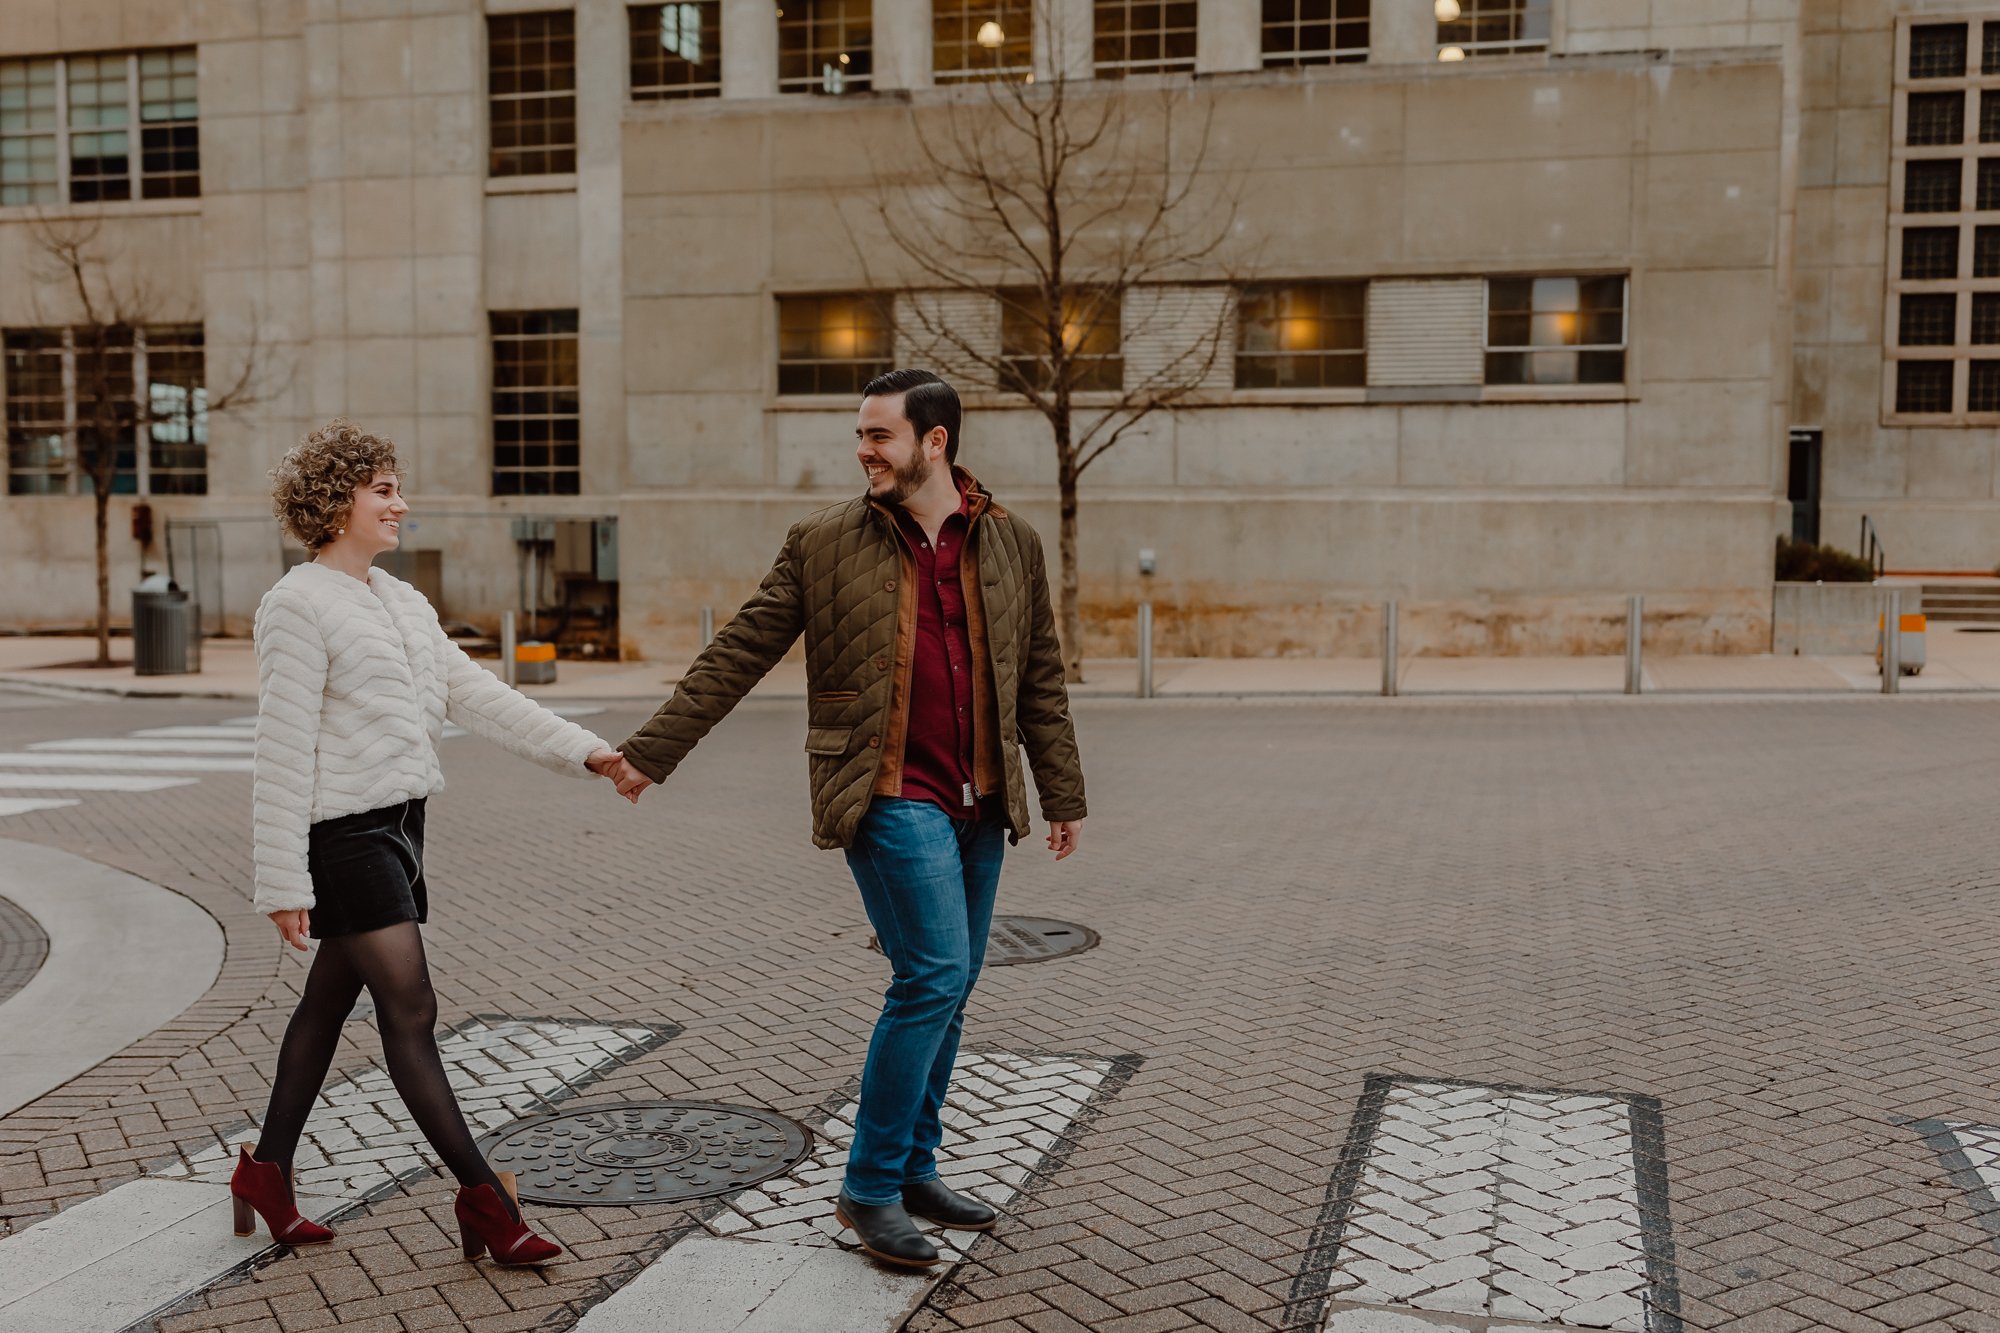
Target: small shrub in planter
1804 562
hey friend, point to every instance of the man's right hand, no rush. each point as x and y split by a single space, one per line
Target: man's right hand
631 782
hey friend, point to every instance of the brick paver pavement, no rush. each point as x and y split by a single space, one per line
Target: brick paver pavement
1775 918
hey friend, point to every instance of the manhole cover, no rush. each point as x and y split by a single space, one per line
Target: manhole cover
645 1152
1028 939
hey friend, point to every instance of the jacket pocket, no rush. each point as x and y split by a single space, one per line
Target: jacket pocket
827 740
836 696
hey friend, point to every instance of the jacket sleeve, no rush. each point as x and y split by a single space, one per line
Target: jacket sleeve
742 653
291 685
1042 707
488 707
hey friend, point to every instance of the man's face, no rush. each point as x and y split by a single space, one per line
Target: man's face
897 466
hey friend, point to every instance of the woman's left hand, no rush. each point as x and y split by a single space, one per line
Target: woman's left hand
604 763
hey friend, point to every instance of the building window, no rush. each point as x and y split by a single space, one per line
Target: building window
1089 332
1936 118
1937 51
1491 27
1983 393
825 46
1315 32
1988 191
1311 335
1923 386
1555 330
1989 62
531 93
1989 113
982 39
1930 252
1931 185
833 343
1985 318
67 126
1927 319
676 50
1986 252
1144 37
59 379
537 422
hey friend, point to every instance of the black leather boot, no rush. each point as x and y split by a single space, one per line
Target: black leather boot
929 1199
886 1232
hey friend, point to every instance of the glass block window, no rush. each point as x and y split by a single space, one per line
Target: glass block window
676 49
30 127
104 376
1937 51
1989 184
1923 386
1932 185
833 343
1936 118
1986 318
100 128
1989 115
1089 331
531 93
1930 252
537 416
1315 32
1986 252
176 402
1492 27
1983 391
1144 37
982 39
39 408
169 135
1309 335
825 46
1555 330
1927 319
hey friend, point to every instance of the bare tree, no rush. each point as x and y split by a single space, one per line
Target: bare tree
1068 205
106 310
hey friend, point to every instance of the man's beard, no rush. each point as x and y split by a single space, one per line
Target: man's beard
907 481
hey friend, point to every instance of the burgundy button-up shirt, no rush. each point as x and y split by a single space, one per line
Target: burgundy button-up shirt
937 753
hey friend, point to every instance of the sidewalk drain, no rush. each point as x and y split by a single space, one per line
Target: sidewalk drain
645 1152
1028 939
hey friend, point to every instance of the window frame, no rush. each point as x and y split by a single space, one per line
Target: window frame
496 156
972 14
1023 302
552 471
144 446
1126 64
63 132
1298 56
808 21
1250 291
857 369
635 91
1522 12
1488 349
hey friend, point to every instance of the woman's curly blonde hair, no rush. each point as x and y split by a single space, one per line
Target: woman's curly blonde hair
312 488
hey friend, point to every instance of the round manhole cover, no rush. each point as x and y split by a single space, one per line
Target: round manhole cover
1028 939
645 1152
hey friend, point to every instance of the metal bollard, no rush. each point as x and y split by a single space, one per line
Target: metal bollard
1145 650
1389 649
507 647
1635 643
1892 645
707 626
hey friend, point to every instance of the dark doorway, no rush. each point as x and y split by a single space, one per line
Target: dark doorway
1802 484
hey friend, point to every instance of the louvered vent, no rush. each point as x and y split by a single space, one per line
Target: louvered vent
1170 336
1423 332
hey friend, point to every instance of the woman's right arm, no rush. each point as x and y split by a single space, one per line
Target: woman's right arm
291 685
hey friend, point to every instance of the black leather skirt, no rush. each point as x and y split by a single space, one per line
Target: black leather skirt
367 870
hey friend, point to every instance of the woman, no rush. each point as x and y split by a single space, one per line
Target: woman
355 681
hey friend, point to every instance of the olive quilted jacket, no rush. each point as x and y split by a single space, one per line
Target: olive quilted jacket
845 580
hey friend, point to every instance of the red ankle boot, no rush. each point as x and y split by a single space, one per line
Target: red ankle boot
484 1223
264 1187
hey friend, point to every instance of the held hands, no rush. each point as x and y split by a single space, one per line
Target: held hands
292 927
1063 835
611 764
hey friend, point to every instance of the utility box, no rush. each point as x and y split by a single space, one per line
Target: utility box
575 555
606 533
1910 643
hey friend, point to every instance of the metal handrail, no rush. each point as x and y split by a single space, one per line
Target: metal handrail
1871 547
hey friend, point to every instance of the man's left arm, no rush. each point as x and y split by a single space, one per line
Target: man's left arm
1042 710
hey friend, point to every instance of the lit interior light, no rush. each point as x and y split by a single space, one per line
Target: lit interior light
1298 335
1447 11
1029 79
991 36
1452 54
843 57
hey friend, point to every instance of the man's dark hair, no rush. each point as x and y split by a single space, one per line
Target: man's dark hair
928 402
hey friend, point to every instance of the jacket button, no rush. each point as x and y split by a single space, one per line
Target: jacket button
881 664
890 586
874 742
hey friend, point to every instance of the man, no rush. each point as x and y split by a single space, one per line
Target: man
930 648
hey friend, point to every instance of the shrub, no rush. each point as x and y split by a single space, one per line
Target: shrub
1804 562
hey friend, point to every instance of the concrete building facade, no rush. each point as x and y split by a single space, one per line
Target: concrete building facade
1555 282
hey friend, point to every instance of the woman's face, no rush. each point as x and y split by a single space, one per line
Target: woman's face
375 525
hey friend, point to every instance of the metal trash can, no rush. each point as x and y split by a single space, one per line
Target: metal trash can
534 663
164 638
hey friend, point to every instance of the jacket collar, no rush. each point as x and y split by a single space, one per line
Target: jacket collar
978 500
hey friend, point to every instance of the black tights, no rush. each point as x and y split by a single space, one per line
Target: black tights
390 963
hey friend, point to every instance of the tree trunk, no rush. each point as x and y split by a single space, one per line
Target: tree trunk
1072 615
101 499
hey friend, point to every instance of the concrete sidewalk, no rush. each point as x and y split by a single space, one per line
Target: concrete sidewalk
1962 659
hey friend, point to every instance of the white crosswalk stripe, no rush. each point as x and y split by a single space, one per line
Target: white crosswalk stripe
97 1267
230 732
1970 1154
21 805
775 1260
91 782
152 763
146 745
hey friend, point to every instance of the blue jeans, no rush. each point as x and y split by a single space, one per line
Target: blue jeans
928 883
